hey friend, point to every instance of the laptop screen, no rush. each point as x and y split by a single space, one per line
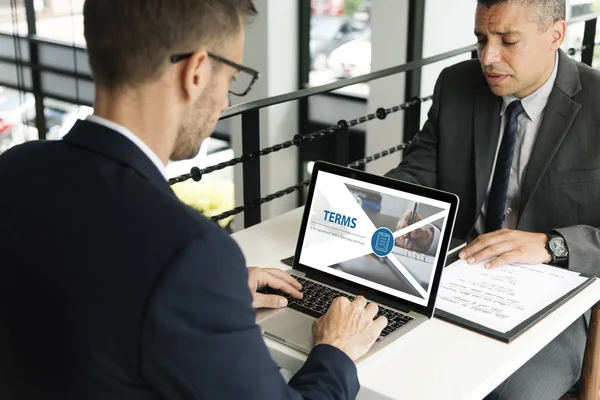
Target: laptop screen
378 237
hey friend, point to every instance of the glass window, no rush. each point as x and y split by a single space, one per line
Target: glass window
574 38
596 62
13 20
579 8
340 42
60 20
16 108
18 118
61 116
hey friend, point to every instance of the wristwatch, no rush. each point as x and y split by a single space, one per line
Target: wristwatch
557 247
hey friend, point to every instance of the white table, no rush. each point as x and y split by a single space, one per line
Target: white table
437 360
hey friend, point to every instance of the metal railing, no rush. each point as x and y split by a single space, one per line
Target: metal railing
250 115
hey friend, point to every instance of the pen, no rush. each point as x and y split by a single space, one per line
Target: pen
411 221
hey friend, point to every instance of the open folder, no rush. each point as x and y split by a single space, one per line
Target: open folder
504 302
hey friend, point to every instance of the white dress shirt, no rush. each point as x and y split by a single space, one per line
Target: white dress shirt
131 136
529 125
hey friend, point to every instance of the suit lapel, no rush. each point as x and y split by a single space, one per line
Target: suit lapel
559 115
486 127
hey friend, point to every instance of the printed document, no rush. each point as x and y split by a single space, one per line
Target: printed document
502 298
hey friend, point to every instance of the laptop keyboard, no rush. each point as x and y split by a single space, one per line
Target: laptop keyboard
317 299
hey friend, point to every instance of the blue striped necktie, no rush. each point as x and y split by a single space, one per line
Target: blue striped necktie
495 213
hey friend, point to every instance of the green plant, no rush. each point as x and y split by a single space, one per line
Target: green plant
208 197
350 6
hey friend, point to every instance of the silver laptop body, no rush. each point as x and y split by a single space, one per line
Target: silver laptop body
348 245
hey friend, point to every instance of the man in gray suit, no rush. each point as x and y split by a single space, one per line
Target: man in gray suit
520 145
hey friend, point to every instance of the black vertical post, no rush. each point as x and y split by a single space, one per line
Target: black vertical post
36 76
412 120
589 39
251 169
342 144
303 79
416 23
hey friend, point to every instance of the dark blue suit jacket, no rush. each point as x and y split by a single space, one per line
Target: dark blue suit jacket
111 288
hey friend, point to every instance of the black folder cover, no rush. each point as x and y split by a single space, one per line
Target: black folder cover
509 336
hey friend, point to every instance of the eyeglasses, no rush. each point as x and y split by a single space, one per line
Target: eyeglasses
241 83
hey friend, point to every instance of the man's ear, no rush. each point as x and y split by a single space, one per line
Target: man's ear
195 74
558 31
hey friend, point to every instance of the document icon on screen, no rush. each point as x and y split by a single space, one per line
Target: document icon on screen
382 241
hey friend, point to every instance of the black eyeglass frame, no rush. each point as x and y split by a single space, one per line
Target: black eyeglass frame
254 73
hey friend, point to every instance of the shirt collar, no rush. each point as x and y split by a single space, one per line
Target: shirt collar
535 103
131 136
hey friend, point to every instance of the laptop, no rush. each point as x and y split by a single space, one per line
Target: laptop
350 244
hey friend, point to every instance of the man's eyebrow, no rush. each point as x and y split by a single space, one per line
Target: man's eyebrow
513 32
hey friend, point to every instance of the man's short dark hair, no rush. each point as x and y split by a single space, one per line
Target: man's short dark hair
545 11
130 41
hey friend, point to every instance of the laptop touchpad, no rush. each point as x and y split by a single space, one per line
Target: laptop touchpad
291 328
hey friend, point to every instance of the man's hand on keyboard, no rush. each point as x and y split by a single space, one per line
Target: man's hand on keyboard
349 326
275 279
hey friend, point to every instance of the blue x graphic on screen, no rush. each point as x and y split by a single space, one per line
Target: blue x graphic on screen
382 242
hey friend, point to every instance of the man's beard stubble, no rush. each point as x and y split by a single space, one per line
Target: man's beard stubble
195 128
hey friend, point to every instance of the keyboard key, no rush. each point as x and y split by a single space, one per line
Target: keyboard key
317 300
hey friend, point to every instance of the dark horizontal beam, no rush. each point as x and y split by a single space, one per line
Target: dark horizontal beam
300 94
15 87
66 99
50 42
57 43
46 68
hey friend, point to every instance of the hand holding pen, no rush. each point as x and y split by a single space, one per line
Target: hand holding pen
418 239
411 220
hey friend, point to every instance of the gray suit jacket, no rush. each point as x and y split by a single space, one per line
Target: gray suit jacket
561 190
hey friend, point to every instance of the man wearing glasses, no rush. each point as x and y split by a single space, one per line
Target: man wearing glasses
240 84
112 288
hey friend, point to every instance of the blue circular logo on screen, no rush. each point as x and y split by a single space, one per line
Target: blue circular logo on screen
382 242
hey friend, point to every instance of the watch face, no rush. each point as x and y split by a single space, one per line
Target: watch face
557 245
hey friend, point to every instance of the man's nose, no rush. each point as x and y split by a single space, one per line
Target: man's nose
489 55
